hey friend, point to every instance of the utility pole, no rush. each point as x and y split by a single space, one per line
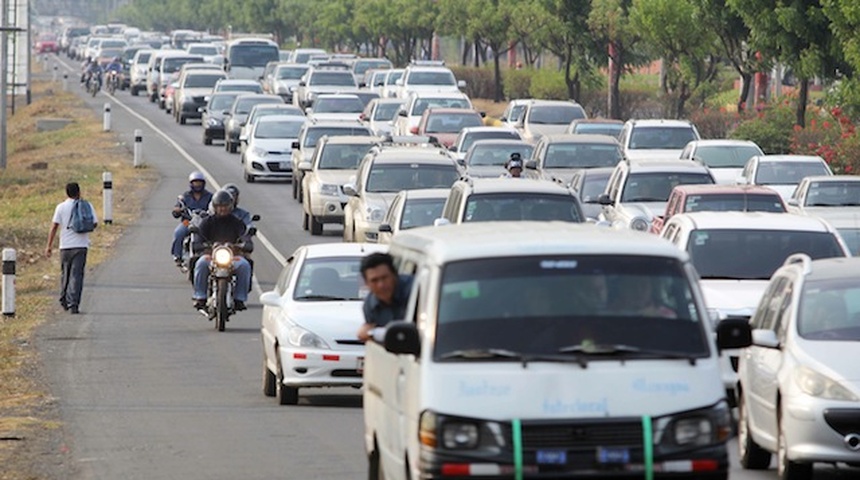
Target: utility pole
4 11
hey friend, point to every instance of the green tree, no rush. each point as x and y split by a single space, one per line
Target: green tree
609 21
490 21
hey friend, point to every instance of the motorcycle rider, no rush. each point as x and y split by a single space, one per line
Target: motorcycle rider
196 198
91 69
239 213
222 227
115 66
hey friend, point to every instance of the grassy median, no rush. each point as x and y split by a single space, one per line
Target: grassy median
39 166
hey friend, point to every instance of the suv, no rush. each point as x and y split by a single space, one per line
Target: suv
412 209
470 135
661 139
169 65
557 157
286 78
410 113
238 115
834 198
153 68
725 158
638 190
384 171
547 117
312 132
427 78
782 172
138 71
190 97
735 253
334 161
799 392
322 79
503 199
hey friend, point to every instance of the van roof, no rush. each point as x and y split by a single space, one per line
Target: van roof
515 239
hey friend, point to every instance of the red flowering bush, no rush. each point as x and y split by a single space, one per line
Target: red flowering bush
832 136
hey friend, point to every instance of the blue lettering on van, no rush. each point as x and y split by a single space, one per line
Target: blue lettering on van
669 387
558 406
483 388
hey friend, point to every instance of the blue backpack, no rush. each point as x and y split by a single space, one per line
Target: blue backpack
83 220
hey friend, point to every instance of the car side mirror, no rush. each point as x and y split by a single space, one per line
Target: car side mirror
452 148
402 338
765 338
792 202
303 84
243 138
399 82
255 218
483 114
402 113
531 165
461 84
604 199
271 299
304 166
461 162
362 85
294 145
734 333
440 222
503 119
226 113
349 189
385 228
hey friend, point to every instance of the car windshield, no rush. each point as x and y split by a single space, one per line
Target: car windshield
329 279
788 173
611 129
593 186
239 87
203 50
424 103
516 111
279 129
431 78
393 77
386 111
280 110
656 187
143 58
517 206
221 102
661 138
113 44
421 212
392 178
554 114
568 308
581 155
748 254
244 106
491 154
342 156
734 202
451 122
830 310
171 65
291 73
851 236
336 78
833 194
253 55
338 105
498 134
315 134
202 81
362 66
725 156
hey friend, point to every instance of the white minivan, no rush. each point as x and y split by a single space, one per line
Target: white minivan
550 350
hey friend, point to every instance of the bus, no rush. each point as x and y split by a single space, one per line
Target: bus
246 58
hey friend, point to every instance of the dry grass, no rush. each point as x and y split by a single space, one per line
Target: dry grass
80 152
492 109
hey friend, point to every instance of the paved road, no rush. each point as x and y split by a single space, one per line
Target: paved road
149 390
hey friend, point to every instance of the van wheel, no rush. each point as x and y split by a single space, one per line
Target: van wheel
785 468
752 456
374 467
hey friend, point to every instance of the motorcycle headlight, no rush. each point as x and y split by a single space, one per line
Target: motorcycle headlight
639 224
300 337
819 385
375 214
259 152
328 189
222 256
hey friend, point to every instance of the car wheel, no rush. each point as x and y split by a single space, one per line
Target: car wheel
269 381
207 140
133 92
305 221
286 395
250 178
752 456
316 227
785 468
181 119
295 188
374 466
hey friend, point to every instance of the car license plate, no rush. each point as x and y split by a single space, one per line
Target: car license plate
551 457
284 165
613 455
360 364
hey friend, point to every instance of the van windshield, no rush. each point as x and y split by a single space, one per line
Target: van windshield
568 306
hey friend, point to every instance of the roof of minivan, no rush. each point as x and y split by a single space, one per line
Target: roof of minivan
752 221
468 241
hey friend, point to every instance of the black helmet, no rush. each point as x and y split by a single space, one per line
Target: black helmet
222 197
234 191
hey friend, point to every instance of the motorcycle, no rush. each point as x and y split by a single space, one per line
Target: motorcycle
222 282
93 84
112 82
192 245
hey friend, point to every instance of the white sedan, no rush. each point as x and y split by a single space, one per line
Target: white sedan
311 319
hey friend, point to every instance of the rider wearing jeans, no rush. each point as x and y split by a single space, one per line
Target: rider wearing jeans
196 198
114 66
222 227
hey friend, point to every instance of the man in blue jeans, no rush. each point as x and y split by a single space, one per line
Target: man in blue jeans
73 250
197 198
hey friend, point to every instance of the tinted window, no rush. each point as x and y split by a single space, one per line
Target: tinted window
315 134
143 58
252 55
787 173
482 154
833 194
338 105
202 81
611 129
362 66
244 105
656 187
424 103
754 254
171 65
734 202
329 279
332 78
570 308
851 236
291 73
491 135
581 155
394 178
451 122
520 207
724 156
386 111
421 212
342 156
555 115
221 102
203 50
431 78
661 138
278 129
593 186
830 310
242 87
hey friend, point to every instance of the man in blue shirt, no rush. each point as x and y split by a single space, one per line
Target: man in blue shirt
197 198
389 293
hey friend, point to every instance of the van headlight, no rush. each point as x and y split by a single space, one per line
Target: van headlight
457 433
819 385
460 435
639 224
707 426
300 337
222 256
259 152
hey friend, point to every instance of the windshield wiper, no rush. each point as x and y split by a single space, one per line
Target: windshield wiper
624 350
646 199
490 353
330 298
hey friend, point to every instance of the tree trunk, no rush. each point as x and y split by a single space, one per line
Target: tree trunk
802 98
497 74
464 60
616 68
683 95
568 81
746 87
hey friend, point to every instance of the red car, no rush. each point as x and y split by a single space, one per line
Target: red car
719 198
47 44
445 123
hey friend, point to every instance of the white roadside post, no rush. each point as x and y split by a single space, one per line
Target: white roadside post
65 82
106 123
9 256
138 147
107 196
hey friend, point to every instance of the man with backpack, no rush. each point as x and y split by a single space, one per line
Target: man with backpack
75 218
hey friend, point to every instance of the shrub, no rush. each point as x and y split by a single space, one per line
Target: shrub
715 122
517 83
548 84
770 128
831 135
480 82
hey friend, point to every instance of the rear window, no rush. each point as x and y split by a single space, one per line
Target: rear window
451 122
656 187
555 114
245 105
280 129
581 155
388 178
661 138
332 78
315 134
421 212
202 81
522 207
734 202
342 156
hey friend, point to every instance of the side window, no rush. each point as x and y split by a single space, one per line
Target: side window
770 305
612 184
784 313
392 211
451 205
285 277
574 182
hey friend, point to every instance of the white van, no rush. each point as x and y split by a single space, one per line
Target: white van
546 350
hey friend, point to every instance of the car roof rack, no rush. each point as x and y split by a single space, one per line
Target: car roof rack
427 63
419 140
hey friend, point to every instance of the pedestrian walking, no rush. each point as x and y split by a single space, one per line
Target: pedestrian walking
74 218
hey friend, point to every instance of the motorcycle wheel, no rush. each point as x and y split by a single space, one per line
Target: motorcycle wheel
221 308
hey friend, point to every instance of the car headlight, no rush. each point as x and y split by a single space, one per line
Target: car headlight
214 122
329 189
819 385
640 224
259 152
375 214
303 338
223 256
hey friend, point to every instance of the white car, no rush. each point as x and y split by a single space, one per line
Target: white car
513 111
470 135
380 113
834 198
286 79
138 71
310 321
547 117
782 172
208 51
656 138
725 158
389 87
799 380
412 209
427 79
414 105
270 147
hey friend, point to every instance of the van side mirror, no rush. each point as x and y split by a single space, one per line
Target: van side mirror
402 338
734 333
604 199
385 228
765 338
